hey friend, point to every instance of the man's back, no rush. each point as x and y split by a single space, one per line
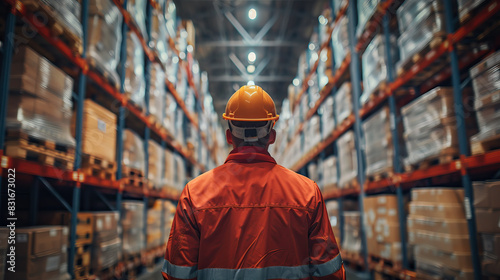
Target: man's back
252 219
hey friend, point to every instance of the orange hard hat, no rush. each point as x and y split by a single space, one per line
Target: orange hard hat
251 104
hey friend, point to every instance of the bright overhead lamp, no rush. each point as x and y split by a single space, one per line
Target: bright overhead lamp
251 83
250 68
189 48
322 20
252 14
182 55
296 82
312 46
252 56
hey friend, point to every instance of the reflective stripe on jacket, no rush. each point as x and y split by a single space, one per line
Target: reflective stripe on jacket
251 219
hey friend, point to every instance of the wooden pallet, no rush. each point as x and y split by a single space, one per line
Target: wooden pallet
134 177
42 151
83 273
97 167
486 145
352 259
445 156
57 28
381 174
82 256
352 184
378 263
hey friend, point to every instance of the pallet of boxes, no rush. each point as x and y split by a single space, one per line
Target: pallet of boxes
133 161
332 207
133 235
35 131
40 253
438 230
487 208
97 240
349 162
381 224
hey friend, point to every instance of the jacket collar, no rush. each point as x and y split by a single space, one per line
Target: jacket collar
249 154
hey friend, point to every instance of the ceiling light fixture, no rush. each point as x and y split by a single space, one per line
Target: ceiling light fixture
296 82
252 14
251 83
250 69
252 57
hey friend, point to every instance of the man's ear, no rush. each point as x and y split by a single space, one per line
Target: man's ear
272 137
229 137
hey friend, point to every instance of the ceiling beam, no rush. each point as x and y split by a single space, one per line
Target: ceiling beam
240 43
235 78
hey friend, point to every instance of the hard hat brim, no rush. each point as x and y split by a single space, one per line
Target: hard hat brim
250 120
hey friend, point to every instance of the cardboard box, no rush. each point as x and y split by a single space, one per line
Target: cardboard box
491 245
488 220
41 240
106 254
390 251
437 210
452 260
486 194
53 266
438 195
445 226
443 242
387 233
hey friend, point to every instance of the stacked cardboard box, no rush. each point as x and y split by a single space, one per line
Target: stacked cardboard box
381 225
99 131
487 209
438 229
153 238
169 209
104 37
351 242
37 87
133 151
155 164
332 207
485 76
133 224
348 161
40 253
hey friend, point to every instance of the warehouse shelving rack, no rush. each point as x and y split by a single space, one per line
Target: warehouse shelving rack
460 169
76 179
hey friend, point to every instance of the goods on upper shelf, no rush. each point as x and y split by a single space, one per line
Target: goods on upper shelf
366 9
340 41
326 110
133 223
487 209
421 25
348 162
312 129
104 37
485 81
465 7
134 85
351 239
343 102
133 156
328 171
332 207
153 238
155 158
40 253
382 227
137 9
437 228
159 36
375 70
157 92
430 126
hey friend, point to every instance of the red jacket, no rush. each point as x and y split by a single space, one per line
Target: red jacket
251 219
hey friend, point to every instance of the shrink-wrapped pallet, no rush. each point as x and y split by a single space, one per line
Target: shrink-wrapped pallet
170 109
180 172
351 241
340 41
374 62
133 224
486 77
106 254
169 166
328 170
312 129
99 131
332 207
36 87
104 37
466 8
159 35
134 71
366 9
153 239
133 151
348 161
343 102
419 23
155 164
378 143
157 92
68 14
137 9
327 116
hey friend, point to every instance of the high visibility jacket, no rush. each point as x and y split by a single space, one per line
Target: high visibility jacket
251 218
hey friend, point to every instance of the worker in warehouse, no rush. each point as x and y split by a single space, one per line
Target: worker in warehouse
251 218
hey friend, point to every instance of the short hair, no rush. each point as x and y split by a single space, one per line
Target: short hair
238 142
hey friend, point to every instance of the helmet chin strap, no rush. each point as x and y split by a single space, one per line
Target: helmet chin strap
250 134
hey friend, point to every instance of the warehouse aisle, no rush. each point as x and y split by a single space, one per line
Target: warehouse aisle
108 108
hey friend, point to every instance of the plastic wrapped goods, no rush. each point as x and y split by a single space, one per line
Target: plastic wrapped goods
155 164
312 171
465 7
337 5
133 150
327 116
133 223
488 117
347 158
352 232
169 166
106 254
180 172
421 34
104 36
169 117
343 102
329 172
67 13
413 12
153 239
137 9
159 36
340 42
36 87
375 71
157 91
134 70
378 142
366 9
486 76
